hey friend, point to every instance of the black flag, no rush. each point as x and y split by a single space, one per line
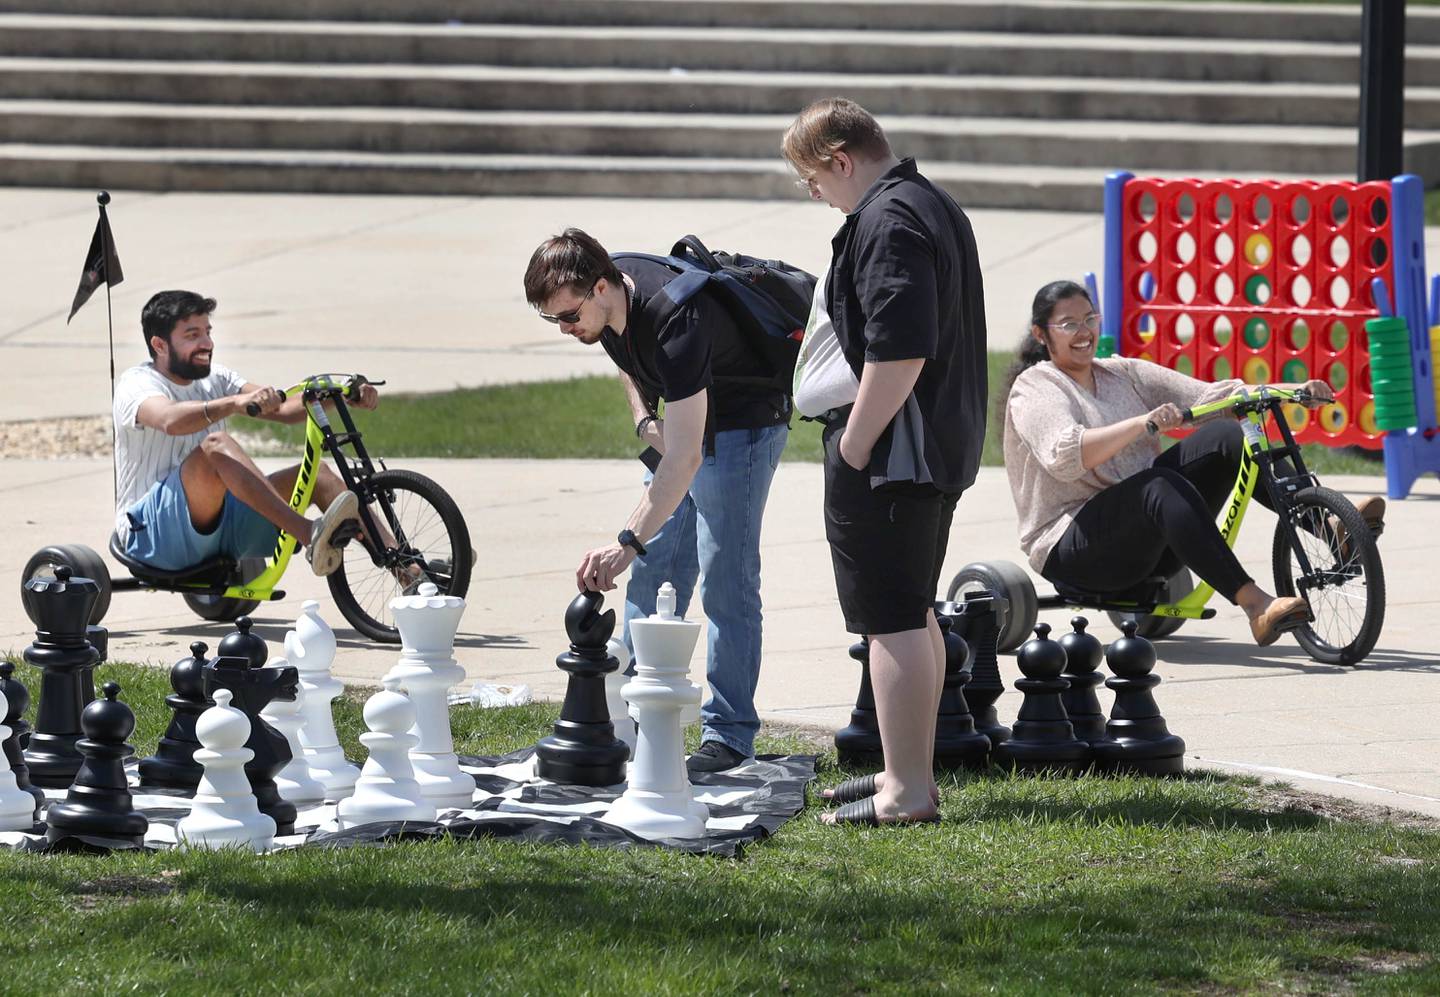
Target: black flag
102 263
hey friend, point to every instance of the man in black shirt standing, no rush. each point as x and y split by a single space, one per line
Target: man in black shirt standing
719 443
905 297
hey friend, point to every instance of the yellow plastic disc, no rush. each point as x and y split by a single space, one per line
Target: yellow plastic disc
1366 421
1256 371
1334 418
1258 249
1298 416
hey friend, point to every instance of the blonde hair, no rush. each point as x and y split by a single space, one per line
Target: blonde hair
828 126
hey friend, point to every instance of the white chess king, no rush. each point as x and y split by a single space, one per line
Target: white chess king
427 670
658 801
17 807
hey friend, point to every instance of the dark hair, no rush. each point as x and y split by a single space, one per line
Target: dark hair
167 309
1032 350
571 259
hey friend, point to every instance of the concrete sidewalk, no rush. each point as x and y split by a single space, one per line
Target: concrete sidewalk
1367 732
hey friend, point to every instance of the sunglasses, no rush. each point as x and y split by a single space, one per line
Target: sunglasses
573 315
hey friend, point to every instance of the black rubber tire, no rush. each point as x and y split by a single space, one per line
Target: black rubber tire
83 562
1179 585
220 608
1009 580
1341 634
428 518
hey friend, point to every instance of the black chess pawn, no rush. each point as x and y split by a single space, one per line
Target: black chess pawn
99 804
584 750
255 687
18 697
1083 654
61 651
977 620
859 743
957 743
1139 740
1042 740
173 765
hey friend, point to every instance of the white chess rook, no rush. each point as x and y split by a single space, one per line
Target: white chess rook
294 782
17 807
427 670
310 647
224 813
387 789
620 717
657 801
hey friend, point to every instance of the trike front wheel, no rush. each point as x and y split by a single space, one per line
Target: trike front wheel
1345 584
431 544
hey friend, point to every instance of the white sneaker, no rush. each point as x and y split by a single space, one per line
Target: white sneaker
323 555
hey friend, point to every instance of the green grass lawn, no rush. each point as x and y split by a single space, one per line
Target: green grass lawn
588 418
1031 886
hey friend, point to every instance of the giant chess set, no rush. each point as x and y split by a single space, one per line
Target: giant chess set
251 758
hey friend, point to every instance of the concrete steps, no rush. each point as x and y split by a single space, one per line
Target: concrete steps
1321 22
1100 146
707 92
1010 104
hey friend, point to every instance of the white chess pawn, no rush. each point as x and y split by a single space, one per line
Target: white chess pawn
225 812
620 716
658 802
310 647
427 670
387 789
294 782
17 807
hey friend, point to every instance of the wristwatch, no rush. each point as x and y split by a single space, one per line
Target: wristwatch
627 538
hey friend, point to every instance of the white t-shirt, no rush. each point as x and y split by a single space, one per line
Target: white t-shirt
143 455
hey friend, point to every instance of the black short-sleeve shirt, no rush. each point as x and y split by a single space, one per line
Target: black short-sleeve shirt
905 284
700 347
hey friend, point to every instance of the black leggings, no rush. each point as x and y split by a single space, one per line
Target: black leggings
1157 521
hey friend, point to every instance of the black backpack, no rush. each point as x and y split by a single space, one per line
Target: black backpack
769 301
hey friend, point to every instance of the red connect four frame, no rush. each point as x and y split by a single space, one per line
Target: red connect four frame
1262 280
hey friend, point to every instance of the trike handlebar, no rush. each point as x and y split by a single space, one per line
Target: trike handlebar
1265 397
348 384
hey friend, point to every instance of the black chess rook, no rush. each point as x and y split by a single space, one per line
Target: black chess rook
64 656
584 750
977 620
1042 739
1139 741
99 805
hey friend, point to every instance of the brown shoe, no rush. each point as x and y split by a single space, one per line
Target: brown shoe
1284 614
324 556
1372 510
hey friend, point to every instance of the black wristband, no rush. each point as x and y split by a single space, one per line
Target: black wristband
640 426
627 538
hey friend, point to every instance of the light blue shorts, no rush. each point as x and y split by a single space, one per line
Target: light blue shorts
161 534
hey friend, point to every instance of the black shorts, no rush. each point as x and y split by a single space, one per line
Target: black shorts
887 544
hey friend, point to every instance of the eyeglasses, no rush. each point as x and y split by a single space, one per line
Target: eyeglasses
573 315
1072 326
808 185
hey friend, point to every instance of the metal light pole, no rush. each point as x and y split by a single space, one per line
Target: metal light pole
1382 89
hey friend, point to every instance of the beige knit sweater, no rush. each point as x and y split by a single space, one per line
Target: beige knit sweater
1046 417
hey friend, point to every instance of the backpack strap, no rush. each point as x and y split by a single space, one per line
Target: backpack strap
691 244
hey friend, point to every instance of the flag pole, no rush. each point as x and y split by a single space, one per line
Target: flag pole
103 198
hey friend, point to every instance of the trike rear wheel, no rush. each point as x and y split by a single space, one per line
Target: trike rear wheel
83 562
1177 587
220 608
1009 581
430 535
1346 583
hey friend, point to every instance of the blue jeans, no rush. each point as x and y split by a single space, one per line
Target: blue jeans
714 536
